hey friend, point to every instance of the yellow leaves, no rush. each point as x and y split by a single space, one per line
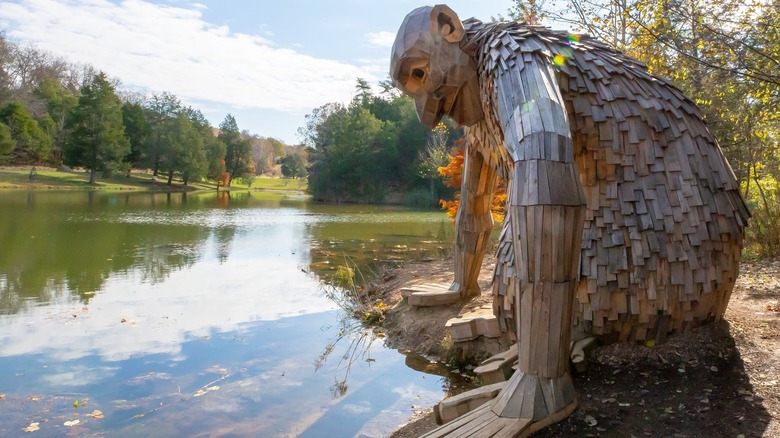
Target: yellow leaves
218 369
33 427
96 414
76 404
204 391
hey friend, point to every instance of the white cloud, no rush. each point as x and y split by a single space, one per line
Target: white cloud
381 39
377 66
171 48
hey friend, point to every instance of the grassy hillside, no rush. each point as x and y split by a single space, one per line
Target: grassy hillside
51 179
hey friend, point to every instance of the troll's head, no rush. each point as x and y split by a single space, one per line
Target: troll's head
429 65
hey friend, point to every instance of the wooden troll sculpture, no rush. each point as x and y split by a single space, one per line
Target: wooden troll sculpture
624 219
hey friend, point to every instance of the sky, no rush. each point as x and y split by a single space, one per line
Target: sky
268 63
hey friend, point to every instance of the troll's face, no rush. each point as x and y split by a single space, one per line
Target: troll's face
429 65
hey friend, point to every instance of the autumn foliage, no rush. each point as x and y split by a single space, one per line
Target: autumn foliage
453 175
224 179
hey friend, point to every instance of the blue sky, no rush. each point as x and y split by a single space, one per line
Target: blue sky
269 63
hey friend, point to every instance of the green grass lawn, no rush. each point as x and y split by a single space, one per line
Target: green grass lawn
47 178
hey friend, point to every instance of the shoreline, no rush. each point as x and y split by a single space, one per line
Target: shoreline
17 178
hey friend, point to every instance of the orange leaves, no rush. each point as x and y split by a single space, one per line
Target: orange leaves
453 175
453 171
224 179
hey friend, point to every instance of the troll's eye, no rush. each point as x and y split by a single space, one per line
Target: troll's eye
418 73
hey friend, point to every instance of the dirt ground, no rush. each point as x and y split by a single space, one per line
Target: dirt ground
718 380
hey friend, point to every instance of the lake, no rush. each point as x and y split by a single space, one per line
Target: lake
137 314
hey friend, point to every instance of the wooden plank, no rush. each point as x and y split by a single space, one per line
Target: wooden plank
444 430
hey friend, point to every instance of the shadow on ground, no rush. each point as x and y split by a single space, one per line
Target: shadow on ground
696 386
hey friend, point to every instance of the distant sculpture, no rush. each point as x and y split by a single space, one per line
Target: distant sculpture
624 219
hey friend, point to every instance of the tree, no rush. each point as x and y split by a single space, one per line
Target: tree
97 140
433 157
183 151
137 130
215 151
238 151
452 173
161 111
7 143
365 150
197 161
293 167
60 102
725 56
31 142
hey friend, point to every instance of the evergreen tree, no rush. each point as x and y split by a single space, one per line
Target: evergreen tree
97 140
238 151
137 130
31 144
7 143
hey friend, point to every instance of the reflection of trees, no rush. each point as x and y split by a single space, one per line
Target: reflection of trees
74 242
358 340
372 243
224 238
156 261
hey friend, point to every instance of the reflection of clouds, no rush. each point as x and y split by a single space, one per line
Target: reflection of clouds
414 392
361 408
412 397
260 282
78 376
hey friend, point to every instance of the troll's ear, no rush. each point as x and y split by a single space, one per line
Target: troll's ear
445 22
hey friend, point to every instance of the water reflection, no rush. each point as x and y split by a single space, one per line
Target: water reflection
135 301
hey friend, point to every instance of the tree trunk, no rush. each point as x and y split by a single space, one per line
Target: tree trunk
92 176
170 177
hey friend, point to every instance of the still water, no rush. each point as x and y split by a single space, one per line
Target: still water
198 315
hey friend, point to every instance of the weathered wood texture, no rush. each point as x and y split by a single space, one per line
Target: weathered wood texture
473 324
623 218
461 404
430 294
497 368
473 222
664 220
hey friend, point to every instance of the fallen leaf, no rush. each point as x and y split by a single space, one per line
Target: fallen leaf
71 423
76 404
590 420
199 393
33 427
96 414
